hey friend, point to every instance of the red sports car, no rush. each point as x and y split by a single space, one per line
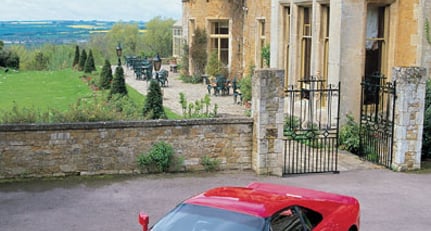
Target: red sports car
261 207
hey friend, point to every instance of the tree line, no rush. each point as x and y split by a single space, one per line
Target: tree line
155 39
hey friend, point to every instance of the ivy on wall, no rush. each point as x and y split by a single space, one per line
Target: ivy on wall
427 30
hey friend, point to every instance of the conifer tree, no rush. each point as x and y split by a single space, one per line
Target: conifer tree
153 108
76 58
82 60
89 63
93 65
118 83
106 76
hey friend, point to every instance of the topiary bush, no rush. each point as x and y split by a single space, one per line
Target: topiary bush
118 83
158 159
106 76
153 108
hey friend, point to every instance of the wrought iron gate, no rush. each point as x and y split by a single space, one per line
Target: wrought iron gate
377 119
311 128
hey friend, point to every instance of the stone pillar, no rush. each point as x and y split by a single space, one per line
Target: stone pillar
267 111
409 117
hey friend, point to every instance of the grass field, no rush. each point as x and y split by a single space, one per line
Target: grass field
42 89
51 90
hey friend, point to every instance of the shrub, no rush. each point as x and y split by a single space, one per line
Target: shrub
89 65
40 62
106 76
118 83
210 164
198 109
9 59
82 60
191 79
158 159
153 108
198 51
214 65
266 54
349 136
76 58
245 85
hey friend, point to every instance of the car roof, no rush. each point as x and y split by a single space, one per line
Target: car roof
263 199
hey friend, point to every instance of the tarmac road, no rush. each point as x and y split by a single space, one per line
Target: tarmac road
389 200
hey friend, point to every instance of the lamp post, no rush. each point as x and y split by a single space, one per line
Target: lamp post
119 53
157 63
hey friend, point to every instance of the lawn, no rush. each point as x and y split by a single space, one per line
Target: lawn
45 90
41 90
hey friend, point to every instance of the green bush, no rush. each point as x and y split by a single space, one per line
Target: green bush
349 136
266 54
210 164
245 85
153 108
191 78
82 60
106 76
158 159
118 83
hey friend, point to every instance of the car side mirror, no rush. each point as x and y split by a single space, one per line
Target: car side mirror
144 220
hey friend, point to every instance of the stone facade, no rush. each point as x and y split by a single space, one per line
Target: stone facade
335 38
112 147
249 23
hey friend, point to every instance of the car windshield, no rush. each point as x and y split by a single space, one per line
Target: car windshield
189 217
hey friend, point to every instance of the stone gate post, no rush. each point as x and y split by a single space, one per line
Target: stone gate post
267 110
409 117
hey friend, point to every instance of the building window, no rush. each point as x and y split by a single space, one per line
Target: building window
220 40
376 41
325 41
177 46
261 41
305 33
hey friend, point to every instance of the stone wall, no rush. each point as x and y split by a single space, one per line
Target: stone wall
112 147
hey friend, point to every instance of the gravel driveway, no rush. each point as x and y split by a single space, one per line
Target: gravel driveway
389 200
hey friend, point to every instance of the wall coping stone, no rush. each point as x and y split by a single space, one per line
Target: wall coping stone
121 124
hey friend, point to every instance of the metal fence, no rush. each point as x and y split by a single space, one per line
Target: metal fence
311 127
377 119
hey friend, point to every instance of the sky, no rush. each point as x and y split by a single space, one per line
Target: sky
106 10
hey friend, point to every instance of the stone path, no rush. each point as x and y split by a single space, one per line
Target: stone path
193 92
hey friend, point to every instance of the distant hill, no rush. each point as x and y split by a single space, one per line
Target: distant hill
35 33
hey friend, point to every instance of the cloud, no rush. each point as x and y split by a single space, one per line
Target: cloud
125 10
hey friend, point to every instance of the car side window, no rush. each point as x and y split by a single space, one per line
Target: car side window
287 220
295 218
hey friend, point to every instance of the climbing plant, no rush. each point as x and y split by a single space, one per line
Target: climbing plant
427 30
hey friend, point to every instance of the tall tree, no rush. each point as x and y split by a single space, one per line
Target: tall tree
118 83
76 58
158 37
153 108
106 76
82 60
